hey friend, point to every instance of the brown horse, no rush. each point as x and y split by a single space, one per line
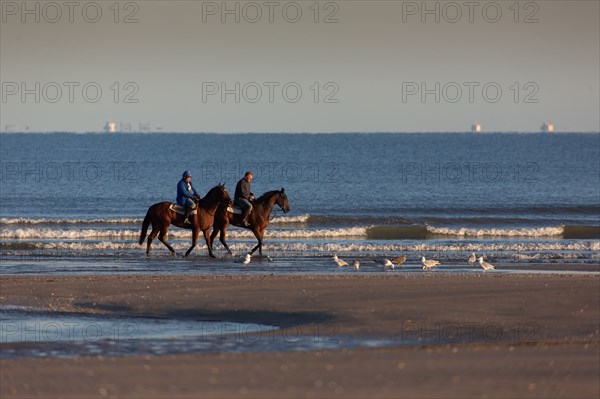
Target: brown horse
161 217
258 219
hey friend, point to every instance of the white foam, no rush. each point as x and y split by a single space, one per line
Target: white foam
74 234
9 221
27 221
511 251
291 219
306 233
473 232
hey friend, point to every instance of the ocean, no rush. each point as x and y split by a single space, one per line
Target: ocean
74 203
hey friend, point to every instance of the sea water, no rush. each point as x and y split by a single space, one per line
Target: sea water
74 203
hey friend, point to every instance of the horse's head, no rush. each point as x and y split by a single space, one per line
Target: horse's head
219 194
226 197
282 201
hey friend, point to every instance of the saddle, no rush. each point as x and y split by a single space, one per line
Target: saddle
181 209
236 210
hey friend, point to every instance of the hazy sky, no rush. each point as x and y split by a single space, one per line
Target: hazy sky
342 66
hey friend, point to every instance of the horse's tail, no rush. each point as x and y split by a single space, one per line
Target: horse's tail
145 225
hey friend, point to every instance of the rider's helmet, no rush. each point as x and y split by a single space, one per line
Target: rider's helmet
186 174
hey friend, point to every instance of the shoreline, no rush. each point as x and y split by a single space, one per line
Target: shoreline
558 356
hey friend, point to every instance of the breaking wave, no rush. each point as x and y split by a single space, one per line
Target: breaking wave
74 234
344 246
415 232
119 221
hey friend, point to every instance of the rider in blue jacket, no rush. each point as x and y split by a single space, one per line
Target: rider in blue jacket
187 195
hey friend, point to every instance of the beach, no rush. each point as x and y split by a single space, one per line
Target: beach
422 221
450 335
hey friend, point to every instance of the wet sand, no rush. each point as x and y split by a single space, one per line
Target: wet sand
483 335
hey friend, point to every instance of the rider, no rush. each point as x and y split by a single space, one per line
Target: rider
187 195
243 196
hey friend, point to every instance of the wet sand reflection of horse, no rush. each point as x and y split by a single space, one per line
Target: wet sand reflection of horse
161 217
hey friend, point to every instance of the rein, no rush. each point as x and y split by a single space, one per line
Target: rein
273 210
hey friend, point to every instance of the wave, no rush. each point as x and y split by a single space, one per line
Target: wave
58 234
119 221
74 234
44 221
470 232
419 232
582 232
414 232
291 219
512 249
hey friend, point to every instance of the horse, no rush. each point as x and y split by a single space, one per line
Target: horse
161 217
258 219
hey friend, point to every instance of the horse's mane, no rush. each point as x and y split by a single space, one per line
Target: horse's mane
265 197
212 190
204 200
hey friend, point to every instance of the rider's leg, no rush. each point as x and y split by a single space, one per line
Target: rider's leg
246 208
190 205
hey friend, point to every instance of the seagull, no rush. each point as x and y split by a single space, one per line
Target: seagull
386 263
399 260
472 259
340 263
428 264
247 259
269 259
485 265
356 265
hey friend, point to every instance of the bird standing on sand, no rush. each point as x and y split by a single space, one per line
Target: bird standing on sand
386 263
340 262
356 265
399 260
247 259
269 259
485 265
429 263
472 259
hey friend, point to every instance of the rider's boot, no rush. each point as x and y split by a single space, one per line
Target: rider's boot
186 215
245 214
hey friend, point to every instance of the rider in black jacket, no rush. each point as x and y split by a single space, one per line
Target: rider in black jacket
243 196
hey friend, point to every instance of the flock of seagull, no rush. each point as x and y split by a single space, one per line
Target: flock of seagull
428 264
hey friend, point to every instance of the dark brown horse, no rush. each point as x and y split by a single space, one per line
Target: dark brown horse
162 217
258 218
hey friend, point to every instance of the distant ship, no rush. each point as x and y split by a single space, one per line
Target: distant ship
547 127
110 127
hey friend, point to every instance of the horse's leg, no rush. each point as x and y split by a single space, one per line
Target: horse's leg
260 241
222 229
207 239
214 233
222 238
195 233
163 238
151 237
259 245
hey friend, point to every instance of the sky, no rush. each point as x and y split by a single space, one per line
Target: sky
299 66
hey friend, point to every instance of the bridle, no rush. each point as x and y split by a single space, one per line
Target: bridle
274 210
